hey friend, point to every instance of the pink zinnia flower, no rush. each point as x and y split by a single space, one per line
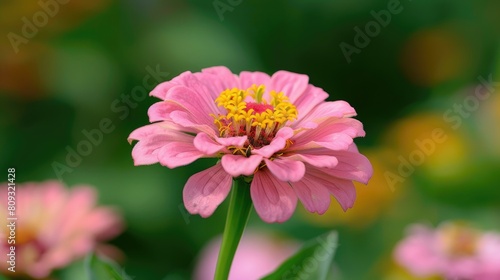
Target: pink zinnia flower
452 251
277 129
54 226
257 256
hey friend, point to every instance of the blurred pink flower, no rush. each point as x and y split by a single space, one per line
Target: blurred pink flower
257 255
452 251
277 129
54 226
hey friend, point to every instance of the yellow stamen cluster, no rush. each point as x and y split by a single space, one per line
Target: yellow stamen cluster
257 118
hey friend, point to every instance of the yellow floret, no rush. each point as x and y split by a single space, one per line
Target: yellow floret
241 119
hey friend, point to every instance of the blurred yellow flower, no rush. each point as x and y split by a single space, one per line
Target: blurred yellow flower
426 141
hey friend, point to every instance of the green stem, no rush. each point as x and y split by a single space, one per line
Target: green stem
237 217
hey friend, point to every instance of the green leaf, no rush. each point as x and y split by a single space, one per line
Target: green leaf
313 261
103 269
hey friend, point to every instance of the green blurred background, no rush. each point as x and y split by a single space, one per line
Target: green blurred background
88 60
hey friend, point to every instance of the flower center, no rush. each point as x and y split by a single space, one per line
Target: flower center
248 113
459 240
25 236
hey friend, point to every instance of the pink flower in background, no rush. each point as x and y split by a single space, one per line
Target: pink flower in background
54 226
278 130
452 251
257 256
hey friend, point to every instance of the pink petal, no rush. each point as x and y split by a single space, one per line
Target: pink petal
315 160
247 79
488 248
325 110
237 165
206 190
309 100
161 90
166 127
334 134
74 247
335 142
186 120
286 170
62 253
78 205
291 84
197 107
416 254
206 144
147 149
351 166
237 141
36 270
201 84
195 90
343 190
353 148
274 200
50 190
351 127
160 111
145 153
103 223
313 194
219 78
177 154
278 143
